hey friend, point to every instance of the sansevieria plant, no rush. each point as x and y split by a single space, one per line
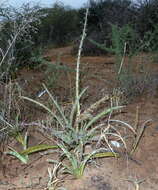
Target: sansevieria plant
77 130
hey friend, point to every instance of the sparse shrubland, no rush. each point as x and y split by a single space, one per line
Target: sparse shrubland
78 133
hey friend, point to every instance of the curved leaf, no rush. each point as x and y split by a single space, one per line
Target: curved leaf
105 154
38 148
105 112
22 158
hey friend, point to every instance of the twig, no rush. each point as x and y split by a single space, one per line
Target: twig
136 182
139 136
123 58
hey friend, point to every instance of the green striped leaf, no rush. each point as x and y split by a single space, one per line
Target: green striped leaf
37 148
105 154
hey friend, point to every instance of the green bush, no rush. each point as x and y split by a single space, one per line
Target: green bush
141 16
59 27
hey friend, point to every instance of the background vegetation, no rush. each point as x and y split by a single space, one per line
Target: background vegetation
34 28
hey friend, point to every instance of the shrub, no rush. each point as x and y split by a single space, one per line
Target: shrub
140 84
89 49
103 14
146 21
59 27
16 37
140 15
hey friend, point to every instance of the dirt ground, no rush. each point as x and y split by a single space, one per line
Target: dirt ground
138 173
